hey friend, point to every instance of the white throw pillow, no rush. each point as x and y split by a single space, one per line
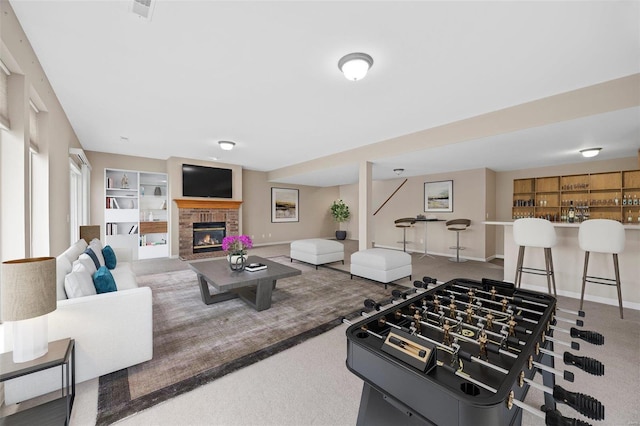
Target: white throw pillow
79 282
88 263
63 267
75 250
96 246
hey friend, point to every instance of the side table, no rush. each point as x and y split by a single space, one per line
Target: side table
62 353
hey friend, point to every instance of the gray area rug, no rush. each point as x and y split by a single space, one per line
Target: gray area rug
194 343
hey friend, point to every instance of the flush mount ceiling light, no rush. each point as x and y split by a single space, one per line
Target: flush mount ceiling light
590 152
355 65
398 171
226 145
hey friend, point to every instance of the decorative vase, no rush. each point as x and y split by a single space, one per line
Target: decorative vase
341 235
237 261
157 191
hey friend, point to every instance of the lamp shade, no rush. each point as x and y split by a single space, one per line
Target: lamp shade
28 288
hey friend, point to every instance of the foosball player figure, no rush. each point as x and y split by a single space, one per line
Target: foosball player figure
493 293
489 319
470 313
436 303
505 303
452 308
418 318
441 317
472 295
446 339
482 340
512 326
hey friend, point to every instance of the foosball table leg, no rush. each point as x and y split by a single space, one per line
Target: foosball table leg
548 378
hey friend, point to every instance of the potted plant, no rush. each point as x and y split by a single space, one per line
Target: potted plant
340 213
236 248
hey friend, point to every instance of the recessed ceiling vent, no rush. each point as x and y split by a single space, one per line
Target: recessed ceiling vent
143 8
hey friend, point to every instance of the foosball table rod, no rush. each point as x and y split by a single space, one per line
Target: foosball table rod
573 345
551 417
454 349
490 347
514 299
590 365
506 305
592 337
509 311
567 375
584 404
511 339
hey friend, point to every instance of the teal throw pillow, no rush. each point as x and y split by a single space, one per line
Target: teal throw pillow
103 281
109 257
93 257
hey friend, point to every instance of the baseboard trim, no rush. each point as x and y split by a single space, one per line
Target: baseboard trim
574 295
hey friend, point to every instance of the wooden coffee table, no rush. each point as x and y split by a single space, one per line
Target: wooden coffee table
254 288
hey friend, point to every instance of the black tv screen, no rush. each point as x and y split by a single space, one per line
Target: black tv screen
200 181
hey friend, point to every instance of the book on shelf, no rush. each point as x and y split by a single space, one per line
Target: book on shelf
112 203
253 267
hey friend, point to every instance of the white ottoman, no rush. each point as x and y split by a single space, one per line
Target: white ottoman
381 265
317 251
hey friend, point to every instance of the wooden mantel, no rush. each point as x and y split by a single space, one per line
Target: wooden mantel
188 203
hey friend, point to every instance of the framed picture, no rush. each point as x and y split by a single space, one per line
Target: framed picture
438 196
284 205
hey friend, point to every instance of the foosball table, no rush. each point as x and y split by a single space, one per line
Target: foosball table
465 352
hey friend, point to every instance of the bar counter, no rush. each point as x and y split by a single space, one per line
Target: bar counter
568 263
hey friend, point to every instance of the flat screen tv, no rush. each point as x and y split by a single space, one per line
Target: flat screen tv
200 181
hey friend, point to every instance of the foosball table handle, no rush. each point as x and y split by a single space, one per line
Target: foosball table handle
590 365
583 404
588 336
555 418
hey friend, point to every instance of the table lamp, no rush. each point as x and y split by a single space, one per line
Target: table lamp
28 294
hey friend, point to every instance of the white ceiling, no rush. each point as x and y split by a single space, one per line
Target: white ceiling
264 74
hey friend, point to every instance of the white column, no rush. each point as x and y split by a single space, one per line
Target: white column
365 215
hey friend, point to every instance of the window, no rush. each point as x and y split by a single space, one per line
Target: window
75 201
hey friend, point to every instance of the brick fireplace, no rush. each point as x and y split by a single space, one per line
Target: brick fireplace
199 211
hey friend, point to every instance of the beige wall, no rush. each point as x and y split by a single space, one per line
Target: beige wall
250 187
101 161
470 196
174 171
314 214
56 136
504 185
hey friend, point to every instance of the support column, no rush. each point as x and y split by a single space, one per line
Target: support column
365 214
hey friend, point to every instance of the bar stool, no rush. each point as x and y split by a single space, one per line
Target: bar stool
457 225
532 232
602 236
404 223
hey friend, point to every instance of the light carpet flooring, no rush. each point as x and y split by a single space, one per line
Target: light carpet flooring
310 385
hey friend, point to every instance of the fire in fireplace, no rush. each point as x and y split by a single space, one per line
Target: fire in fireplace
207 236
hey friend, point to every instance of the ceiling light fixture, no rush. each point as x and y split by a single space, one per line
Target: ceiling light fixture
590 152
226 145
355 65
398 171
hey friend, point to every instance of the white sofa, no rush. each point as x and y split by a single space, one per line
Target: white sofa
112 331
